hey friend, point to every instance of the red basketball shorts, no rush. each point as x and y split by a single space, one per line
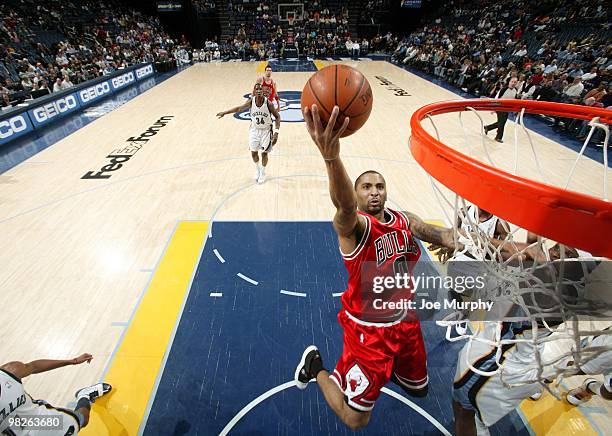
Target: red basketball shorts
372 353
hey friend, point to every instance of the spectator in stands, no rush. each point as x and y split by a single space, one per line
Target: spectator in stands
596 93
572 92
57 86
590 75
507 92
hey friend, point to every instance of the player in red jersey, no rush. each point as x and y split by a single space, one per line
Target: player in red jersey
380 345
269 87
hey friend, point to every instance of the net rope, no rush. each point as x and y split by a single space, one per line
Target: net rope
552 305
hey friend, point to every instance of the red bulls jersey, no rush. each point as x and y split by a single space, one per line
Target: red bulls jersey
385 250
271 91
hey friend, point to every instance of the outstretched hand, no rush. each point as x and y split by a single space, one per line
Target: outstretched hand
326 138
220 114
82 359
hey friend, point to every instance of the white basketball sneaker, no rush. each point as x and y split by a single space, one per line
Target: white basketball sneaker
257 172
93 392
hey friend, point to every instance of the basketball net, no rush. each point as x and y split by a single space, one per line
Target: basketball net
557 301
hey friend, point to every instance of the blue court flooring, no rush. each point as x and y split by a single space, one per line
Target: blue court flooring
246 339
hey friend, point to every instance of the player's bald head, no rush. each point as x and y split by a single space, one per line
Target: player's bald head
363 175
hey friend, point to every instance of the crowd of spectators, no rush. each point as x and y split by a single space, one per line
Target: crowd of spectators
52 46
204 7
557 51
319 30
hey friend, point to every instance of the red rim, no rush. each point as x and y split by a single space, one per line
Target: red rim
569 217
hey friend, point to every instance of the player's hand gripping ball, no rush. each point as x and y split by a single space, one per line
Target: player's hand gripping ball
342 86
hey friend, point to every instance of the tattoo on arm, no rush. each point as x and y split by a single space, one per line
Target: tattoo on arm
430 233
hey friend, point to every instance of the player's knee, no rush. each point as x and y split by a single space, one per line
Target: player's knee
357 421
419 393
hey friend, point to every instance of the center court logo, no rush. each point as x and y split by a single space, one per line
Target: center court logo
290 107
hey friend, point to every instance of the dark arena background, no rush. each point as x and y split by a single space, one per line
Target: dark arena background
132 228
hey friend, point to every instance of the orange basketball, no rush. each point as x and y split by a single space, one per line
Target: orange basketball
342 86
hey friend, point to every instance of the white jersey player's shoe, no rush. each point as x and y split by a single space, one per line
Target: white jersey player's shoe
262 176
93 392
257 173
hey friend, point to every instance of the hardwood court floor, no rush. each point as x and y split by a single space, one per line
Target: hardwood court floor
78 253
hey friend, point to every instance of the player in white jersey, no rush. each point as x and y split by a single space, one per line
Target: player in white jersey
262 136
489 226
601 364
480 401
20 415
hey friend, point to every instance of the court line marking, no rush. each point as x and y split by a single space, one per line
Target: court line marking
188 165
160 372
140 356
337 294
247 279
293 294
216 294
246 409
219 256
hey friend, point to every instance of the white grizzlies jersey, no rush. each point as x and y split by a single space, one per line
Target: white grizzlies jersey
261 118
16 404
487 227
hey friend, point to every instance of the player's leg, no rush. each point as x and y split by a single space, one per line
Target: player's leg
265 145
86 397
311 367
254 148
465 424
410 363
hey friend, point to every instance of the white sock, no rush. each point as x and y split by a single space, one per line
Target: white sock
262 169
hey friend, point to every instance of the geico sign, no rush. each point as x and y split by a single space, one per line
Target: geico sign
12 126
57 107
123 80
94 92
144 71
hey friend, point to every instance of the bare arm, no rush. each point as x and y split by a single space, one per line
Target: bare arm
277 120
436 235
347 222
233 110
22 370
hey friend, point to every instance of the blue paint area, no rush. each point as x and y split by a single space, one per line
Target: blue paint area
532 122
292 65
227 351
23 148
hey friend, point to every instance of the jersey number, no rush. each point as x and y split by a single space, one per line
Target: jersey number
259 121
400 266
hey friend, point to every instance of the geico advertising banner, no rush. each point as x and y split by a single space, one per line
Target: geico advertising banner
92 93
143 72
54 109
14 126
123 80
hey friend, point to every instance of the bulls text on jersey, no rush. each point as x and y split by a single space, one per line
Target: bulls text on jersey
388 246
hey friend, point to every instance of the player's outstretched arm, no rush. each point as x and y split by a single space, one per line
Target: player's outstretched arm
437 235
22 370
346 221
233 110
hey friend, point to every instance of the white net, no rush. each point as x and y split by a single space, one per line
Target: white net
550 300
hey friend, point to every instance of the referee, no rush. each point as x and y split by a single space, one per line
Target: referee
508 91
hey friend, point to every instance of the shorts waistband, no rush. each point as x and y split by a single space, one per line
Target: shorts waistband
375 324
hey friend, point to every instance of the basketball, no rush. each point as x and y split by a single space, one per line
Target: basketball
342 86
